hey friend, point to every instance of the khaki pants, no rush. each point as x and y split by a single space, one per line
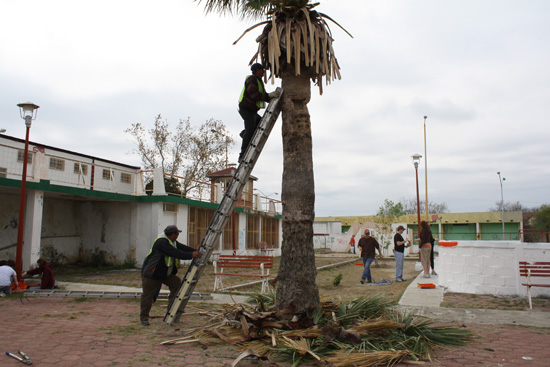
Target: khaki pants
150 289
425 258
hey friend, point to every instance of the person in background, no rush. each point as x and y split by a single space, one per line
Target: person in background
432 257
252 99
368 245
45 271
8 276
399 245
352 244
160 267
426 239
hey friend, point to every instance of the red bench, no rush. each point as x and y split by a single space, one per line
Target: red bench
238 262
537 269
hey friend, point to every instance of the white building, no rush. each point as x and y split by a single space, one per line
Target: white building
81 208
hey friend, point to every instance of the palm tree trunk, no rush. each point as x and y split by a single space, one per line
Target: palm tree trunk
297 289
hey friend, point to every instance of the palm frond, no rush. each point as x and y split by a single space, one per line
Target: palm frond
371 358
246 9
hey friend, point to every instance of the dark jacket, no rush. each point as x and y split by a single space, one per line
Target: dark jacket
252 94
154 265
426 237
48 280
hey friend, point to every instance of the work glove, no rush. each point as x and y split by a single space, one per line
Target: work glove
274 94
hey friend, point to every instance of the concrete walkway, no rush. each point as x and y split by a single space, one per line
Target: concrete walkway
427 302
216 297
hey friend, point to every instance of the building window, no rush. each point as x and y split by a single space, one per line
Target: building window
270 231
252 231
199 220
80 166
57 164
3 172
228 234
21 155
126 178
107 174
170 207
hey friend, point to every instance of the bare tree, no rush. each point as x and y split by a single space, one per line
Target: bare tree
188 151
508 207
410 206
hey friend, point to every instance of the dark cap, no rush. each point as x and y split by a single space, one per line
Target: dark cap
171 229
257 66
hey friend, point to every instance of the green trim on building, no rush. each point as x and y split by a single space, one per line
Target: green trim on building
46 186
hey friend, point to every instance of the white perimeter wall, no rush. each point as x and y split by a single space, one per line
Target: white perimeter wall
490 267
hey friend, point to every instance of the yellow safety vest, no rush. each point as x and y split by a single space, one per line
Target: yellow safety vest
259 104
167 259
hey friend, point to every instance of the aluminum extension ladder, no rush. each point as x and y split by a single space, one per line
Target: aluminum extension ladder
217 225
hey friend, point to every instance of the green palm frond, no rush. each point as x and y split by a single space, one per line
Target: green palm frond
245 9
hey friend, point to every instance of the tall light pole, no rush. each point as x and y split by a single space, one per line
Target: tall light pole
501 179
426 168
416 160
27 111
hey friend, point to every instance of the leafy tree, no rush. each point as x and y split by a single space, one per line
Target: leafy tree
387 214
296 46
188 152
541 219
410 207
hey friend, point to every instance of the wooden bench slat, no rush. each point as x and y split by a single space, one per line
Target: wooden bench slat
233 262
539 269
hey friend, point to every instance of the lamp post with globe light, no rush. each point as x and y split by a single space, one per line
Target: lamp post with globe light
28 112
501 179
416 160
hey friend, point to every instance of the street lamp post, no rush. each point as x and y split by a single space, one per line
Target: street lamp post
501 179
226 147
416 160
27 111
426 168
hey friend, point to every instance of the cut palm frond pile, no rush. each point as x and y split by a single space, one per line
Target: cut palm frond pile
300 37
365 332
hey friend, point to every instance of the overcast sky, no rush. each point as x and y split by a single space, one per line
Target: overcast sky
480 71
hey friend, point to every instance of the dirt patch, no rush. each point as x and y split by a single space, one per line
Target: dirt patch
490 302
349 289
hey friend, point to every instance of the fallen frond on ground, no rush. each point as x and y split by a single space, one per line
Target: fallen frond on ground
364 332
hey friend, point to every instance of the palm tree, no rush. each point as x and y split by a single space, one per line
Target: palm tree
296 46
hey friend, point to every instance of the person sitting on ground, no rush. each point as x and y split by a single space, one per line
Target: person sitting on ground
8 276
45 271
160 267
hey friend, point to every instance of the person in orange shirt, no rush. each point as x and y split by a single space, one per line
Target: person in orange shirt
352 244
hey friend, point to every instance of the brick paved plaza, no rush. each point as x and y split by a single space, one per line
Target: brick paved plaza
65 332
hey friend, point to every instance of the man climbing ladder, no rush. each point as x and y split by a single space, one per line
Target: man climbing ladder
252 99
227 204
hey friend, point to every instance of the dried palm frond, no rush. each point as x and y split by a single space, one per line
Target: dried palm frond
312 332
377 358
297 36
377 327
301 346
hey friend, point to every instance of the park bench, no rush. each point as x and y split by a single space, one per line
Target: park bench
537 269
227 263
265 249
